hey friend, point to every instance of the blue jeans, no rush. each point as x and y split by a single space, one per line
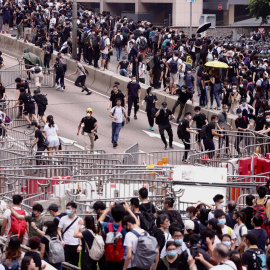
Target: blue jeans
58 266
123 72
116 127
118 52
217 93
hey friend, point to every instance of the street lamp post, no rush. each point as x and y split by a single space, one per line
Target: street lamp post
74 29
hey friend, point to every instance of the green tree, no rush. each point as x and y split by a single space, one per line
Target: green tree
260 9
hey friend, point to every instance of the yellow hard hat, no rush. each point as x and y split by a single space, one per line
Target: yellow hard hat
89 110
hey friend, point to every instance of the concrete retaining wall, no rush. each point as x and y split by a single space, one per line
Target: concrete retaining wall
101 81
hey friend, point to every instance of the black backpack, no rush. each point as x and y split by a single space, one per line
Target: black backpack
42 99
29 98
102 45
155 38
173 66
37 69
199 225
118 41
180 131
143 43
158 120
203 132
147 219
175 217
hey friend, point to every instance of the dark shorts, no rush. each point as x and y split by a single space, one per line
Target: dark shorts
104 56
41 112
29 109
6 20
198 137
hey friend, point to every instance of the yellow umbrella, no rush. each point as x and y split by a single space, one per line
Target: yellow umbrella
216 64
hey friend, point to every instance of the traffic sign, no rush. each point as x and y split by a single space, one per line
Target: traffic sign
191 1
261 30
220 7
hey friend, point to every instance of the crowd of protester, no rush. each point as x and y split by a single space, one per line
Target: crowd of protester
136 235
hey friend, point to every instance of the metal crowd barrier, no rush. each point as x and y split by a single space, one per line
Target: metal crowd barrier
8 76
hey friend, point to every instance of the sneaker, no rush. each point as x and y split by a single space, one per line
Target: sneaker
28 126
7 32
58 86
128 118
115 145
12 28
89 93
62 88
152 129
135 117
171 147
165 147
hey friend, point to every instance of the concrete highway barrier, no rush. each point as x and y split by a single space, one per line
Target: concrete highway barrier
101 81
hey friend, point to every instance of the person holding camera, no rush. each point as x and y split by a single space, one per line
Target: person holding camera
27 21
234 98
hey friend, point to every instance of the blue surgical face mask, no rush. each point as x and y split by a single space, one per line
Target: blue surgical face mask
152 92
222 221
172 253
44 229
183 90
165 108
178 241
197 113
133 81
222 204
259 114
68 212
216 121
241 85
167 84
230 61
227 243
240 114
244 103
187 215
189 72
226 111
267 119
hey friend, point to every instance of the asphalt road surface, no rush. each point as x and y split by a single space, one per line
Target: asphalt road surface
68 108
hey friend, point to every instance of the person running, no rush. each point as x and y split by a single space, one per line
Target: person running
60 69
150 100
133 95
89 129
52 133
118 121
42 102
80 81
163 123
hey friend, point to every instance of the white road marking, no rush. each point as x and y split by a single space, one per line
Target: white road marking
154 135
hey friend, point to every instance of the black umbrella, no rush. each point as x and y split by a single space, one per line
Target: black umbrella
203 27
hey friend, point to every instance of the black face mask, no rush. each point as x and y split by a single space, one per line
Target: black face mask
33 215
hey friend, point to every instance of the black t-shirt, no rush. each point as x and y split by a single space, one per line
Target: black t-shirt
147 207
260 122
249 258
114 97
56 220
249 215
210 126
184 97
35 257
2 91
89 124
160 236
19 18
164 117
198 43
173 266
150 101
124 65
200 119
24 99
241 122
185 125
38 134
133 89
232 70
25 85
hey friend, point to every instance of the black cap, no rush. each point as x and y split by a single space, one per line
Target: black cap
164 103
53 207
36 92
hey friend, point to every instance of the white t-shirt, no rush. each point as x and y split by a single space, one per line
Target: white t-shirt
51 132
68 238
7 215
216 241
118 113
106 42
142 68
226 230
131 240
244 231
227 265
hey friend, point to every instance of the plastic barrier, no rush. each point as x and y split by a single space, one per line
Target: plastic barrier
263 166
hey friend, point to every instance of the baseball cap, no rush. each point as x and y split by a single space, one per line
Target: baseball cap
164 103
53 207
189 225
